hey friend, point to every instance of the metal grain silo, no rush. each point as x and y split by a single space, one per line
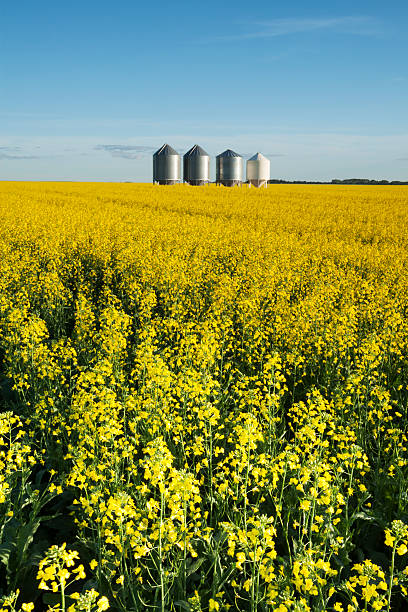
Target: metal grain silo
196 166
166 166
258 170
229 168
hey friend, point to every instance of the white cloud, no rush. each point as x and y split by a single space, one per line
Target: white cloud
126 151
16 153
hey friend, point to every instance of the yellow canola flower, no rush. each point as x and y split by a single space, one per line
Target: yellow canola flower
240 556
103 604
63 574
389 539
305 505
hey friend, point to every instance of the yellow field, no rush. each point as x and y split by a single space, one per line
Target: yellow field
204 397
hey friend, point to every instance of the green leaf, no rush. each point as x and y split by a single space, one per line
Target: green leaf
183 605
5 552
195 566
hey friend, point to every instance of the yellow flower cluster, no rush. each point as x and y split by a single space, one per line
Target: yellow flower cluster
213 383
16 458
53 570
397 537
369 579
58 570
8 603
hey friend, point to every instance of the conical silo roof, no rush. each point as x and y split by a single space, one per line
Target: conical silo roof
257 157
228 153
196 150
166 150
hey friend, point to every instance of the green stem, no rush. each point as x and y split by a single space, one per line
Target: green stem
210 469
391 576
160 552
246 484
254 595
62 598
185 550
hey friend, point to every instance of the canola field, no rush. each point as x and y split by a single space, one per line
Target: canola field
203 397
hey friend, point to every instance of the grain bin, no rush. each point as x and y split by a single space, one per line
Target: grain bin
166 166
229 168
258 170
196 166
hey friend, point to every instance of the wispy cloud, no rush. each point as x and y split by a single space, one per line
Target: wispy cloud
362 26
125 151
15 153
9 149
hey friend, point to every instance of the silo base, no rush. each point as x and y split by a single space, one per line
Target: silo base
258 183
230 183
197 183
166 182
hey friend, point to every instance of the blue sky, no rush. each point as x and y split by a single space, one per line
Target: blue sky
89 89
